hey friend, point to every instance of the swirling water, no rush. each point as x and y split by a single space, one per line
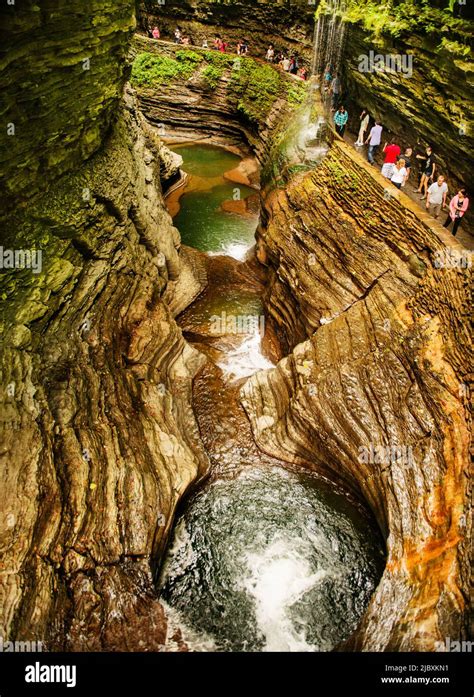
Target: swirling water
270 561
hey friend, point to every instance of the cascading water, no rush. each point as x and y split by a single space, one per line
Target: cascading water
261 559
328 38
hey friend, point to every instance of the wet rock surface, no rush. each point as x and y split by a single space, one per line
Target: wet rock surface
71 56
99 440
379 356
191 110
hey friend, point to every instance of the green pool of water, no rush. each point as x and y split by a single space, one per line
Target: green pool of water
200 220
206 160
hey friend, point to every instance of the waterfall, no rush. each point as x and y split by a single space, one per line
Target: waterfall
328 37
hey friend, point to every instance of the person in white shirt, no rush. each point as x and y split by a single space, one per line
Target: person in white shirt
400 174
364 124
374 140
436 196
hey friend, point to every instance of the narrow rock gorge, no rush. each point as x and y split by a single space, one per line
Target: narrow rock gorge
169 486
99 440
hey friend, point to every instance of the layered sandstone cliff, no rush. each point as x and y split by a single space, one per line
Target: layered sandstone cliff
98 437
99 441
375 312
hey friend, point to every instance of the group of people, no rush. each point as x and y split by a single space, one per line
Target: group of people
397 168
218 44
331 85
241 49
290 64
178 36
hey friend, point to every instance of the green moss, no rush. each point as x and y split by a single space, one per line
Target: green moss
189 57
219 59
212 74
150 69
297 93
254 87
454 47
408 16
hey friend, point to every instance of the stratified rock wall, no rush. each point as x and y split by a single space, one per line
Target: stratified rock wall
62 69
98 440
431 102
384 360
286 25
190 109
98 437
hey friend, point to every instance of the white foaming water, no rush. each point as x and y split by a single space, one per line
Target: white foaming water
264 563
234 250
181 549
245 360
279 576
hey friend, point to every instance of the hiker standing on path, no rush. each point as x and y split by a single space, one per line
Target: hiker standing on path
364 124
155 33
392 152
436 197
399 174
407 157
327 79
457 208
428 171
373 141
340 120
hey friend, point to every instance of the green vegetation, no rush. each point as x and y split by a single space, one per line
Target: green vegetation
255 87
297 92
150 69
252 89
407 16
454 47
190 59
219 59
212 74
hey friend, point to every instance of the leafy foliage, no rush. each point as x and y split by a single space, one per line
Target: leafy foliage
397 18
297 93
150 69
255 87
212 74
252 89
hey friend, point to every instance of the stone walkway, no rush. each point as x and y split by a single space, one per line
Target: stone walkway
464 235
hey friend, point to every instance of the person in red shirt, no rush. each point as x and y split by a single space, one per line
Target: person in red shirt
392 152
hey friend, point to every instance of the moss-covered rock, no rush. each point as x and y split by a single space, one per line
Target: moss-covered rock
59 89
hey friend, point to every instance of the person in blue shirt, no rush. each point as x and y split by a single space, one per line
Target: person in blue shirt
340 120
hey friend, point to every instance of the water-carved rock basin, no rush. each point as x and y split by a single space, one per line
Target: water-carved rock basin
270 560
